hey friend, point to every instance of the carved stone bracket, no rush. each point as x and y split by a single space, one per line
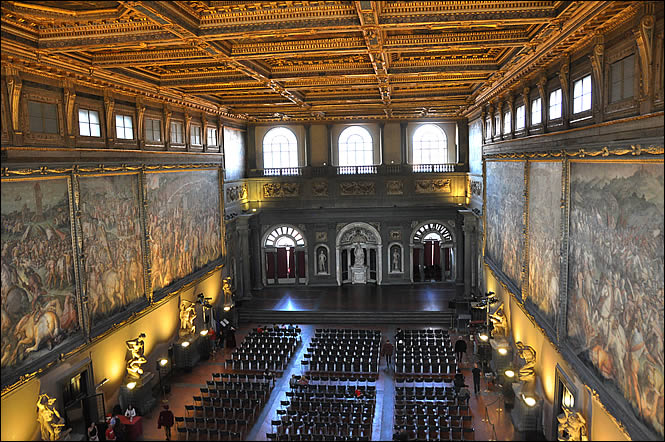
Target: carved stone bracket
69 95
14 84
644 37
109 106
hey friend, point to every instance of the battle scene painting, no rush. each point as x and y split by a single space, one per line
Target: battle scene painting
615 300
544 237
111 244
183 219
39 308
504 211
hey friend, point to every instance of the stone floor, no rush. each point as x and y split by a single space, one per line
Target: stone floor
487 404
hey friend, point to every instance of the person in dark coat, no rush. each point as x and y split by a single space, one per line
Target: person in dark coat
460 349
231 338
476 378
387 351
166 420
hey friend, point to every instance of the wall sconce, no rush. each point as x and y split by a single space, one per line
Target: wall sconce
503 351
185 344
483 337
529 400
102 382
227 308
510 374
131 385
203 333
163 362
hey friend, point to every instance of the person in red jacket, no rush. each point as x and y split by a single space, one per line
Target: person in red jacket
110 433
166 420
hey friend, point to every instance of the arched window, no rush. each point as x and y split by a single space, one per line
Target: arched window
355 147
280 148
284 256
430 145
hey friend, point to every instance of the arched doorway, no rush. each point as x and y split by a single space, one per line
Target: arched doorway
433 253
284 258
358 251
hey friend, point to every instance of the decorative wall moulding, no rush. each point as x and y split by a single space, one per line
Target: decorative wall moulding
320 188
235 193
394 187
395 235
477 188
281 190
356 188
433 186
321 236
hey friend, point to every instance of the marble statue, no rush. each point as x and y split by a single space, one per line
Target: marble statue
50 421
187 316
527 373
359 254
572 426
137 349
228 295
499 323
396 266
322 260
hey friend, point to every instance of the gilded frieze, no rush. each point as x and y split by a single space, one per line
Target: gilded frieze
433 186
235 193
356 188
281 190
394 187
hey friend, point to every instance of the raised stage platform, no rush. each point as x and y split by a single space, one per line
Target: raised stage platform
353 305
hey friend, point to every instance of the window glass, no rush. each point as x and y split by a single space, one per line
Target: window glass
507 123
153 130
355 147
430 145
212 136
280 148
536 117
582 95
43 117
555 104
497 124
195 137
622 79
519 117
124 127
89 123
177 132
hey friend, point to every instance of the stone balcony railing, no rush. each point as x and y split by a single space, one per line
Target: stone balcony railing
383 169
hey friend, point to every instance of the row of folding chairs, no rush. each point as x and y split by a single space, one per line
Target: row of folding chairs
306 428
435 420
438 380
242 377
207 434
222 395
333 413
237 385
254 404
346 331
221 423
321 407
335 389
413 389
430 407
328 366
312 395
312 437
426 332
219 412
338 380
416 432
254 365
425 368
451 410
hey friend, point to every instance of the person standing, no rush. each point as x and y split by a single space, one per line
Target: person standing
387 351
93 434
231 338
460 349
476 378
110 433
166 420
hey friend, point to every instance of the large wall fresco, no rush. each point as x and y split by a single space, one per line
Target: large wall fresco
111 243
234 153
183 219
544 237
504 212
615 301
39 308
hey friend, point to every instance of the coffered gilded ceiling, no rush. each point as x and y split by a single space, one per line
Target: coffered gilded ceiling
308 59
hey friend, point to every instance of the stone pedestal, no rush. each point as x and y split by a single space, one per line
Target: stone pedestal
187 357
525 418
359 274
140 396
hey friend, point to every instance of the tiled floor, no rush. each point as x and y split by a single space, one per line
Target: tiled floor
186 385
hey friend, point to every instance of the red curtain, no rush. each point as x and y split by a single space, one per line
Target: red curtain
270 265
300 257
281 263
292 263
428 252
437 253
446 259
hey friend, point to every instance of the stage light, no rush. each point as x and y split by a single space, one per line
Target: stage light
253 210
227 308
503 351
529 400
163 362
131 385
185 344
204 332
509 373
483 337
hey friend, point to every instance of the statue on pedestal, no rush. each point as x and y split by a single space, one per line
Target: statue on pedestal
359 255
499 322
187 317
527 373
572 426
137 349
50 421
228 295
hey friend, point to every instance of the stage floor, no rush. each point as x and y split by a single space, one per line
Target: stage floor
353 298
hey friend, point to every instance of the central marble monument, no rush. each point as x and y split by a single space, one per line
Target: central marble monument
359 269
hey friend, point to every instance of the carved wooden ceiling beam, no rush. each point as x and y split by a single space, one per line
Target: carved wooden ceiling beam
369 13
158 12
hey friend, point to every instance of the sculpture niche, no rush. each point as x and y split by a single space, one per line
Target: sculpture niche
572 426
228 294
499 323
50 421
187 317
527 373
359 269
137 359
